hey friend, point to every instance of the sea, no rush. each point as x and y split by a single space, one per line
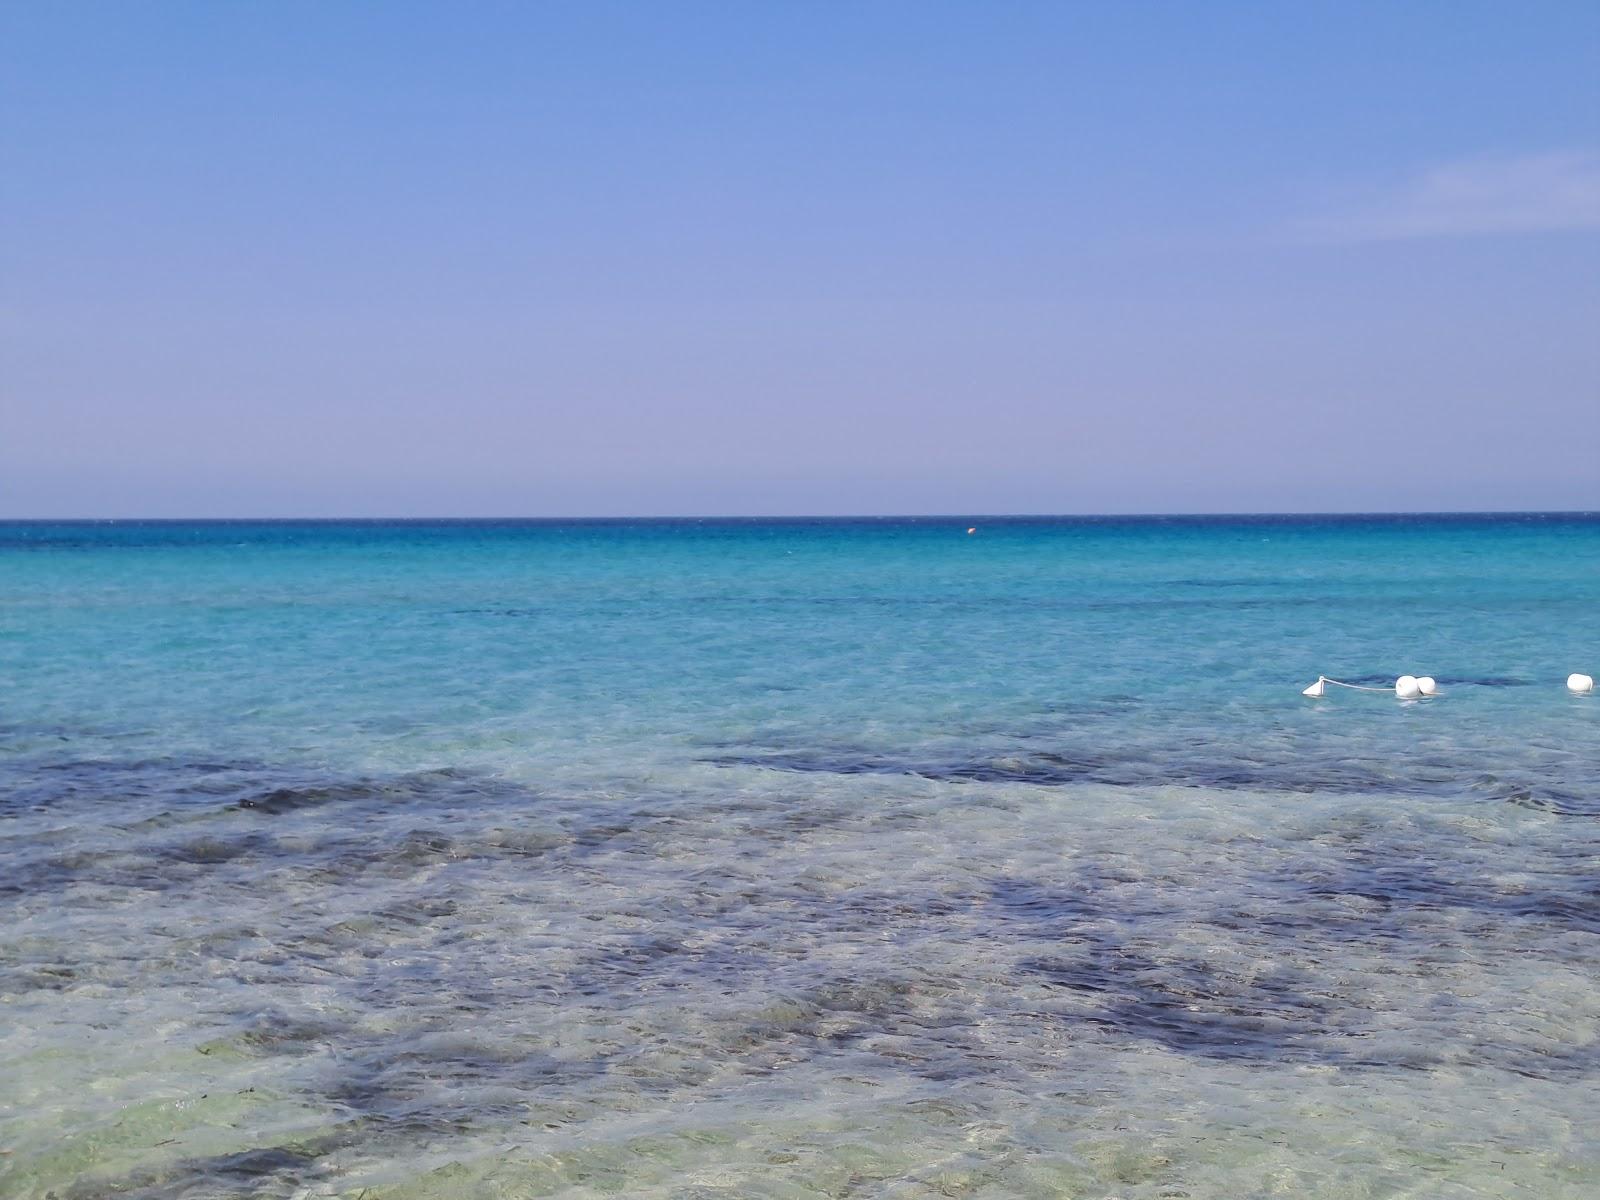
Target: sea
935 857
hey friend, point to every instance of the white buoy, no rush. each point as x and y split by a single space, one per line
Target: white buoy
1427 685
1582 684
1318 688
1406 687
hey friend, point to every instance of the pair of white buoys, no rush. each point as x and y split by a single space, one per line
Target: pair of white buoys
1407 687
1414 687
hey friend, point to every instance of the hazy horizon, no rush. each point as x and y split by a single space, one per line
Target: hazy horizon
528 518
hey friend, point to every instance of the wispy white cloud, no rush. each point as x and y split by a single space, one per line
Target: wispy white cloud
1538 193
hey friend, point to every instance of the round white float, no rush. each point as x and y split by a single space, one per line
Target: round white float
1427 685
1406 687
1580 683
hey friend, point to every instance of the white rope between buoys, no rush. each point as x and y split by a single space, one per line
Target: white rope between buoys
1407 687
1354 687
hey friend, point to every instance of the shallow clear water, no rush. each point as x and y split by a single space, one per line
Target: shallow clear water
799 859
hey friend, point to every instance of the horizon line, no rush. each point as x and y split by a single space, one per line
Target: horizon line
941 516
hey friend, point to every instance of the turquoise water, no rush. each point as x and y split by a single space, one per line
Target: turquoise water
832 858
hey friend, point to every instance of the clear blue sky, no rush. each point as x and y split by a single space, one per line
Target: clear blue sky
590 258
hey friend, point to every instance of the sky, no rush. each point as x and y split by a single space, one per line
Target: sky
554 259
